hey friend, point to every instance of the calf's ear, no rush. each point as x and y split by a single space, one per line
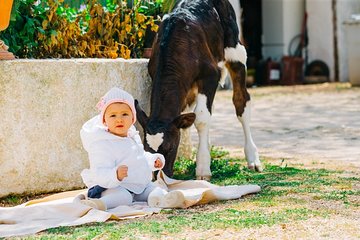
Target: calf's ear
184 120
141 115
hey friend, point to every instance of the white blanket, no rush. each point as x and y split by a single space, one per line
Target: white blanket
60 210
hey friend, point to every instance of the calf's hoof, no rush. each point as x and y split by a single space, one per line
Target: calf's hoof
257 168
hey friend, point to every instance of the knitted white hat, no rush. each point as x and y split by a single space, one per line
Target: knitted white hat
116 95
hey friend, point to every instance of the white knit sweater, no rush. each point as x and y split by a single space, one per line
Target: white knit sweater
107 152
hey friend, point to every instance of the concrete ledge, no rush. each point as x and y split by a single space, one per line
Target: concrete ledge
43 104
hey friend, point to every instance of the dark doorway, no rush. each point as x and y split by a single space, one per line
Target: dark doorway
251 21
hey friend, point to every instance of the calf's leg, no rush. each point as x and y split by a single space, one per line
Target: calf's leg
241 100
202 125
202 110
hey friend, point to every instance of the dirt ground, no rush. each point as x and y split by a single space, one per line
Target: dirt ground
316 126
307 122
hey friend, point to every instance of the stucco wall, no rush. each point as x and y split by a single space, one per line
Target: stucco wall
43 104
320 31
293 19
344 10
282 21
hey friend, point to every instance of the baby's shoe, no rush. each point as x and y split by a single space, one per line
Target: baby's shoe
174 199
155 197
94 203
163 199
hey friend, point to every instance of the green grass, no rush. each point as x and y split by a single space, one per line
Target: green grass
176 221
12 200
284 198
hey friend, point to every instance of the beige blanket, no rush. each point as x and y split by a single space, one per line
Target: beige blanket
60 210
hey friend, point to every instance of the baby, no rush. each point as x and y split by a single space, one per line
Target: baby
120 170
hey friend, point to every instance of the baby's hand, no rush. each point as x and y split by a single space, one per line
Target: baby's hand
158 163
122 172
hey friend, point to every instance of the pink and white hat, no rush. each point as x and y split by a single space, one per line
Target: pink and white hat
116 95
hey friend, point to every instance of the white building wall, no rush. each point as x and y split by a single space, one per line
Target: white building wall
282 20
293 12
344 10
273 29
320 31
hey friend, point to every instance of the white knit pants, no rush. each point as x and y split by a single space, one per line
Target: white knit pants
114 197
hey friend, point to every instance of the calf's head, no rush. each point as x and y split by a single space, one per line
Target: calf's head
163 136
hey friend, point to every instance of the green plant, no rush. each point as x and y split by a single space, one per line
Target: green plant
50 29
168 5
151 7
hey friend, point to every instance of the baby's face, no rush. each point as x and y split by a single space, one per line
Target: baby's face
118 118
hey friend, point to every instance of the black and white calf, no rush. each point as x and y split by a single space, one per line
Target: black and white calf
196 46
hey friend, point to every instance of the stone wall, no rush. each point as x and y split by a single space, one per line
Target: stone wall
43 104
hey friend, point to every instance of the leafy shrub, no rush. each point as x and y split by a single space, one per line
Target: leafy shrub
50 29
